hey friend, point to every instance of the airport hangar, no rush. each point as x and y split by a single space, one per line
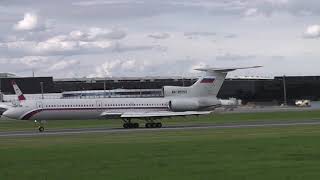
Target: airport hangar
248 89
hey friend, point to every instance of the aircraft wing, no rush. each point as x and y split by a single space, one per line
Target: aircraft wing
110 114
159 114
162 114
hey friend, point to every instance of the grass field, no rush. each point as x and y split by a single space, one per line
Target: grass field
14 125
253 153
281 153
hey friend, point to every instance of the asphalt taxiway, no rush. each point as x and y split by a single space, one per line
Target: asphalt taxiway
167 128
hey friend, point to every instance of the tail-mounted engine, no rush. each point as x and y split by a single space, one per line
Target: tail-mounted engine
183 105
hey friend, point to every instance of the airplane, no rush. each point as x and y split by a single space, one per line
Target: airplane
197 99
4 106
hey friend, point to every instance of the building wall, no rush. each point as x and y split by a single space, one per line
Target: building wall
301 87
60 86
29 85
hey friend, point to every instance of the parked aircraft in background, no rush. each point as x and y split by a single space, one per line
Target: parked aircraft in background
4 106
177 101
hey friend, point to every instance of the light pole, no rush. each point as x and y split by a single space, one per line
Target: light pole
284 90
104 87
1 95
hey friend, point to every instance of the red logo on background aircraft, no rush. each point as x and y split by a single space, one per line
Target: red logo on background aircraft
18 91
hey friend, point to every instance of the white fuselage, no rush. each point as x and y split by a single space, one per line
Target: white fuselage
72 109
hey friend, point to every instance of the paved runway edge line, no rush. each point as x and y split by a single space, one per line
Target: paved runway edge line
195 127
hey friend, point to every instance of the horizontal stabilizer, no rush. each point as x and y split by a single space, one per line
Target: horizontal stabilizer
224 69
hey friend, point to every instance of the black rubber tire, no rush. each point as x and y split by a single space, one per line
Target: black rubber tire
136 125
158 125
153 125
147 125
41 129
125 125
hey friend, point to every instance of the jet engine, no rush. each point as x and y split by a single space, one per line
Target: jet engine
183 105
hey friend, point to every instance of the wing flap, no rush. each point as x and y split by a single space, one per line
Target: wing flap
111 114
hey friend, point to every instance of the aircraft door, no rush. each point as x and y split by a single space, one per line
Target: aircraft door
39 105
131 105
99 106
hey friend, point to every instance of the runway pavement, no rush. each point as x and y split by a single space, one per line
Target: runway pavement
167 128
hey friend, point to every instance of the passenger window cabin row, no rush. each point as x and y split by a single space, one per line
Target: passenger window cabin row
99 105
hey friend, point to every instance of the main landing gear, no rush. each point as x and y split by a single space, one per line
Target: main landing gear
153 125
147 125
150 124
130 125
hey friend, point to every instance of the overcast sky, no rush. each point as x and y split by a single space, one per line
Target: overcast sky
78 38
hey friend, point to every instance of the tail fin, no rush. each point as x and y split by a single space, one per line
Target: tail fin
18 91
210 84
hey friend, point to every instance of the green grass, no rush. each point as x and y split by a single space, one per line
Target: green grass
253 153
6 125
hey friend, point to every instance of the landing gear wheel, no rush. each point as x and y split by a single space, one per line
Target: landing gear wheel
41 129
130 125
158 125
135 125
125 125
153 125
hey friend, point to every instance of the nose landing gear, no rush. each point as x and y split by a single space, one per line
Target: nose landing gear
40 125
41 129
